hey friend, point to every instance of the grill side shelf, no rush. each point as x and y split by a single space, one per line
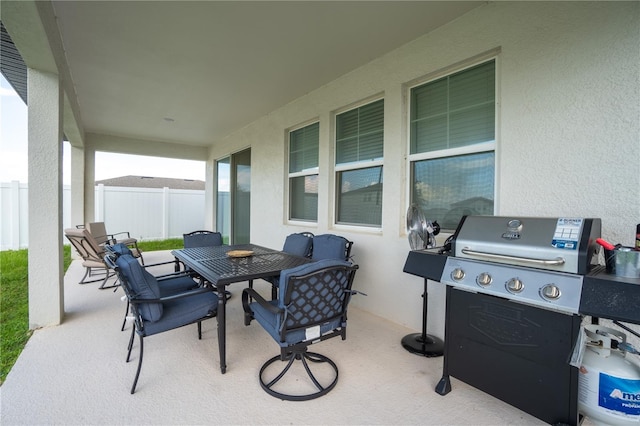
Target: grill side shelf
425 264
608 296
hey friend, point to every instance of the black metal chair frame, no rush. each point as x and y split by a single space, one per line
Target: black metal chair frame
160 278
138 328
92 260
299 351
111 239
347 249
203 281
274 280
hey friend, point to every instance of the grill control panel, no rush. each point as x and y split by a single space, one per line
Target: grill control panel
552 290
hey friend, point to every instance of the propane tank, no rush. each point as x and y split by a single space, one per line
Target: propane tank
609 383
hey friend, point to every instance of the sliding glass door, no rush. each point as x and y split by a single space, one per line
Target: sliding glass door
234 197
241 197
223 200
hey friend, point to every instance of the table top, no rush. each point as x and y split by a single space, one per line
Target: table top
217 267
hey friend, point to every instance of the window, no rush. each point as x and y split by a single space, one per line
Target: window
303 173
452 145
359 154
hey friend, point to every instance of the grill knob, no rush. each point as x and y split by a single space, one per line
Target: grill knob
484 279
550 291
457 274
514 285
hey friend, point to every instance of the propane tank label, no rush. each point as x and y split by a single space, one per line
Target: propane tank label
619 394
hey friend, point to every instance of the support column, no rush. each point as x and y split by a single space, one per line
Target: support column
46 268
77 186
89 184
210 192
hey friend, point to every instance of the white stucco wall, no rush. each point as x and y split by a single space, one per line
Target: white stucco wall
568 76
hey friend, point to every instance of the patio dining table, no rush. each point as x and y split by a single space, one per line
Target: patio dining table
227 264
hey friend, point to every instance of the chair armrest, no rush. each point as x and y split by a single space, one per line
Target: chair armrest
249 292
172 275
169 262
247 295
189 293
113 236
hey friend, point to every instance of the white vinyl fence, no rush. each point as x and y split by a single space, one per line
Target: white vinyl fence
146 213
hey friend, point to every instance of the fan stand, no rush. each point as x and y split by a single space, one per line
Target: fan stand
422 343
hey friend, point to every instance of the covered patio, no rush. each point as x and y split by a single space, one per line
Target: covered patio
210 80
76 373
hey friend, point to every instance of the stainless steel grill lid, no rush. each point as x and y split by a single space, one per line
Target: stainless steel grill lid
555 244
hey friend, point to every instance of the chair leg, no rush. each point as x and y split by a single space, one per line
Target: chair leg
135 381
313 357
133 332
108 275
126 312
86 273
303 357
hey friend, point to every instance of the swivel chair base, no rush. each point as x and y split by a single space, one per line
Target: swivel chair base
303 357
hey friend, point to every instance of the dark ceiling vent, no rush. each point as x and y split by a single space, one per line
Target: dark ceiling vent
11 64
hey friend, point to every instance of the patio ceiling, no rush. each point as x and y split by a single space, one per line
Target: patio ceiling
193 72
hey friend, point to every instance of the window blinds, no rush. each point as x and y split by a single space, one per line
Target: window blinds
303 148
454 111
359 133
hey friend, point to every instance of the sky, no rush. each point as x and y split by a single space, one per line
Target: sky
14 142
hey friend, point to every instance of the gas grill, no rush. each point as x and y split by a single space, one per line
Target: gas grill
537 261
514 291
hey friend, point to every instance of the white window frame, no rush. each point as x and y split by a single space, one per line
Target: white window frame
302 173
458 151
354 165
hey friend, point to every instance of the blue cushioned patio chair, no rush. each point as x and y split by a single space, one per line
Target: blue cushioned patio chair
311 307
168 284
200 238
300 244
153 312
330 246
203 239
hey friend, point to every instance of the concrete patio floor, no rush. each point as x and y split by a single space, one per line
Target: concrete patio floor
76 373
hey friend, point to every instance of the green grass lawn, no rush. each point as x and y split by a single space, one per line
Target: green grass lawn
14 298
